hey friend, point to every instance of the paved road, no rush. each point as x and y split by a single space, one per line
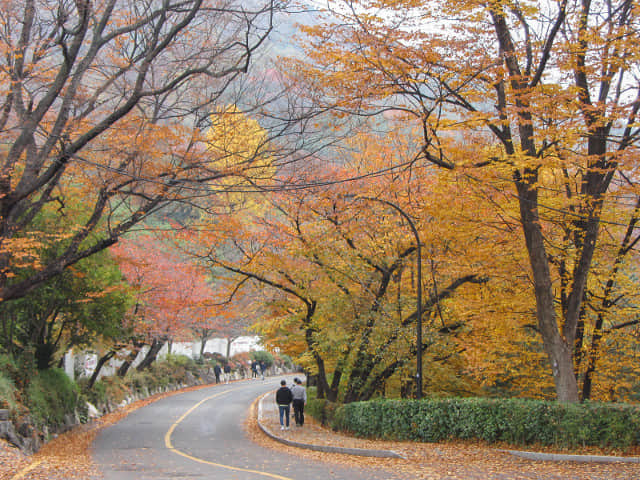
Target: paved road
200 434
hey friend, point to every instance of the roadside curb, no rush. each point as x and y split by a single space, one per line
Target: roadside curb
363 452
558 457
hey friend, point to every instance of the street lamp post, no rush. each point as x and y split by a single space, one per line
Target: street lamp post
419 289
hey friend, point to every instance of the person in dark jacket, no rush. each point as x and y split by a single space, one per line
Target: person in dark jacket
284 399
227 372
216 371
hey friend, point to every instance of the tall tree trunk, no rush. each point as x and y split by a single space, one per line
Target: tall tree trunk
203 344
560 354
627 244
229 342
133 354
558 344
156 346
101 362
324 389
592 356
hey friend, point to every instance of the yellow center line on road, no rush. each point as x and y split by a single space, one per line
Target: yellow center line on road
26 470
169 445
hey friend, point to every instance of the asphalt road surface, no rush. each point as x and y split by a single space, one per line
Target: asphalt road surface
200 435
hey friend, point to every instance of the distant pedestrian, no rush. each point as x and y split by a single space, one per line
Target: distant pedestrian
216 371
299 396
263 368
254 369
283 399
227 373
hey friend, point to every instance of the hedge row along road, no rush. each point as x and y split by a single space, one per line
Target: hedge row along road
200 434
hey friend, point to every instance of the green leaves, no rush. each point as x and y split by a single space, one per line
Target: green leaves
513 421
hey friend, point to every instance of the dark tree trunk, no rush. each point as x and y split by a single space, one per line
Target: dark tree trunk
156 346
133 354
628 243
101 362
203 344
44 355
378 381
324 390
229 342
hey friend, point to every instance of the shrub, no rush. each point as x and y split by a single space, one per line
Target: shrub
50 396
514 421
283 361
20 369
316 408
111 389
173 370
182 361
138 380
7 392
262 356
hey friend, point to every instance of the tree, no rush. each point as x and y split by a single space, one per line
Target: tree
207 315
339 275
238 311
173 296
81 307
549 94
109 99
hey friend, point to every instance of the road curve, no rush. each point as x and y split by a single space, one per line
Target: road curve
200 434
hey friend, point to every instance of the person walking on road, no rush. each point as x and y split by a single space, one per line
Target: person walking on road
227 372
299 396
283 399
216 371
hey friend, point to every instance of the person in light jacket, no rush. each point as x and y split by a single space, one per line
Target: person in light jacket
299 395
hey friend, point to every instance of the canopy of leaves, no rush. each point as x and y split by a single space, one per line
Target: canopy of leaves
538 100
108 101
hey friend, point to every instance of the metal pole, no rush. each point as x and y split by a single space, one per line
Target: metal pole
419 313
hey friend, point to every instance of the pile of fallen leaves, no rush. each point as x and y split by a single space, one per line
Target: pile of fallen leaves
11 460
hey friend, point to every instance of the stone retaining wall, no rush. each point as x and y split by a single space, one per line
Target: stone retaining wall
23 434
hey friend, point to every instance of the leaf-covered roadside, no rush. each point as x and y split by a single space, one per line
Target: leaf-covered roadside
68 456
445 461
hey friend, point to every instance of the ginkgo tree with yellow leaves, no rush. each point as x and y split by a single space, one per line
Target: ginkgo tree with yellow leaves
239 148
539 98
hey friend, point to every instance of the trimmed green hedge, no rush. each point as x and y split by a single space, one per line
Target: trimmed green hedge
514 421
